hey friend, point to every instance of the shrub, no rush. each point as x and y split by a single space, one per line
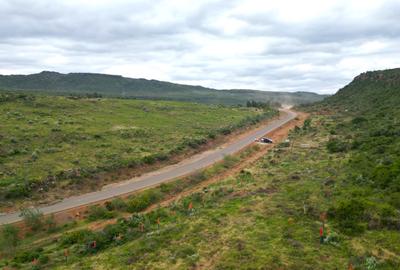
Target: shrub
27 256
150 159
386 175
307 124
50 223
9 239
211 135
194 142
284 144
144 200
226 131
166 187
17 191
138 204
77 237
98 212
371 263
335 145
197 177
229 161
34 155
161 157
114 230
358 120
349 215
43 259
33 218
116 204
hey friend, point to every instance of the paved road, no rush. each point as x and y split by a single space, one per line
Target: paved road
185 167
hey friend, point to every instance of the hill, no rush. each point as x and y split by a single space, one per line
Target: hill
118 86
368 91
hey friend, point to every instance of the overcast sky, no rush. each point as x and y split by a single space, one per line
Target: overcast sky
275 45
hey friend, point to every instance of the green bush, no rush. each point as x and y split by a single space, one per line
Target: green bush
142 201
28 256
43 259
50 223
17 191
307 124
335 145
116 204
226 130
77 237
350 214
166 187
113 230
96 212
33 218
9 239
357 121
387 175
149 159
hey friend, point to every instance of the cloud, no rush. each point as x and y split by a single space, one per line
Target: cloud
283 45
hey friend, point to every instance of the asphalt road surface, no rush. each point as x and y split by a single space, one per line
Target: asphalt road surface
168 173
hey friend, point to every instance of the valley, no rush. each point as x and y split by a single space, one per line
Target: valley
325 198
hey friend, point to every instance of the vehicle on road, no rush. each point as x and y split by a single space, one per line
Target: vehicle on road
264 140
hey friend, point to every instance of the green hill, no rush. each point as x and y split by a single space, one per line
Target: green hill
369 91
118 86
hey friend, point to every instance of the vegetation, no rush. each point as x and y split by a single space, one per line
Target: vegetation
97 85
51 142
33 218
339 172
9 239
35 249
268 215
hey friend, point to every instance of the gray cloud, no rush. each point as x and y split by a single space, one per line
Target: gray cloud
267 45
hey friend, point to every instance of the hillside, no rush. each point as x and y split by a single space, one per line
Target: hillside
64 142
369 90
338 175
118 86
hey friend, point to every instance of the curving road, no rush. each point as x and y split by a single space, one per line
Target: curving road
168 173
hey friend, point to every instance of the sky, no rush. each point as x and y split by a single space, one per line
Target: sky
308 45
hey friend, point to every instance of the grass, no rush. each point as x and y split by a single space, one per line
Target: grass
41 242
48 142
266 217
255 220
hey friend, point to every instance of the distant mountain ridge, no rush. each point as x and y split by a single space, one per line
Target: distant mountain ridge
118 86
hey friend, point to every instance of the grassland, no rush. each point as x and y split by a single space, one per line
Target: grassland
266 217
48 142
